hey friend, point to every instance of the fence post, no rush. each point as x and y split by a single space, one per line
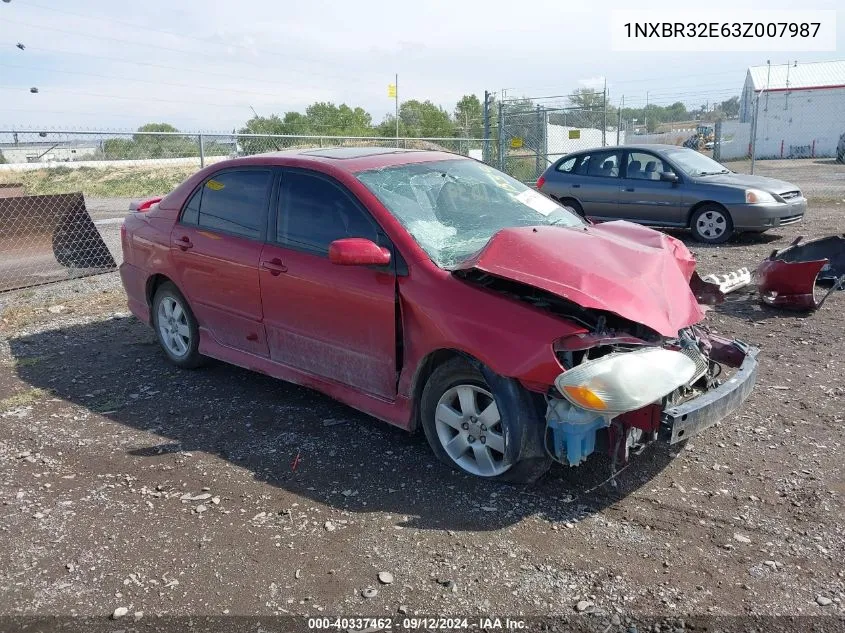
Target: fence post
202 152
539 122
754 130
485 148
501 136
619 120
604 117
717 140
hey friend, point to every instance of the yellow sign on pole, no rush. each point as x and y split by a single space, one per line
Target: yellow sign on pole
516 142
574 133
391 91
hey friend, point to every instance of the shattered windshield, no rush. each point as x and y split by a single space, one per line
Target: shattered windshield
453 207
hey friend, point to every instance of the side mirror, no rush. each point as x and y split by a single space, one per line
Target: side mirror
358 251
668 176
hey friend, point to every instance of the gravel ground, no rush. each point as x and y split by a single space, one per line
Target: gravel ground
128 484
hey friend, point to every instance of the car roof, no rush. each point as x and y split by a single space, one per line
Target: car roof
654 147
349 159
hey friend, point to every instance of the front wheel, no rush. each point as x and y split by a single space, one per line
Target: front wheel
473 429
712 224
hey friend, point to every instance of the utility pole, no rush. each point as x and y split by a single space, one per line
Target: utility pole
486 146
645 112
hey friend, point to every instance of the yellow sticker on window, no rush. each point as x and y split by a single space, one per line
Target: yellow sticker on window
214 185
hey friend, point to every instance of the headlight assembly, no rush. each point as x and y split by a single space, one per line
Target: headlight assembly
757 196
625 381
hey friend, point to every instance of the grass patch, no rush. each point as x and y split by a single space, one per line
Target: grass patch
22 399
105 182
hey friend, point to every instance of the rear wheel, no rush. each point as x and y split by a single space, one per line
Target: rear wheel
711 224
574 205
477 431
176 327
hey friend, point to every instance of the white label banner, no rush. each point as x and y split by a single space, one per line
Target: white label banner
723 30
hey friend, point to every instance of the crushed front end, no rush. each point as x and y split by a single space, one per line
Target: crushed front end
620 393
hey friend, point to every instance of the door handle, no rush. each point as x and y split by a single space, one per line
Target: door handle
576 186
183 242
275 266
629 189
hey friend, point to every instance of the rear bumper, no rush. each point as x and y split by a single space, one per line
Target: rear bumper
690 418
135 284
767 216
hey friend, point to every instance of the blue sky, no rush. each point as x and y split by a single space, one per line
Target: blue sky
201 64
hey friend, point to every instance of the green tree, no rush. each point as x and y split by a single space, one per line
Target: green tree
730 108
329 119
469 117
2 159
423 118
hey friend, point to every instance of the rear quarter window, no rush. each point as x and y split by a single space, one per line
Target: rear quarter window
567 165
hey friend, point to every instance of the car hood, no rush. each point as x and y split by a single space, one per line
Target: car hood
628 269
771 185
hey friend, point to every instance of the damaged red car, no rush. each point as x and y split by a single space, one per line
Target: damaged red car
432 291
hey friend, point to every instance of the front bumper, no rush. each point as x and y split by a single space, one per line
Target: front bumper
767 216
690 418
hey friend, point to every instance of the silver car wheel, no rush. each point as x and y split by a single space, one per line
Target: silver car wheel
711 224
469 428
173 328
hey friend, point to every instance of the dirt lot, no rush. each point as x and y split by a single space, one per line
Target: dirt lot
128 483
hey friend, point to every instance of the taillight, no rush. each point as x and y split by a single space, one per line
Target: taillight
540 182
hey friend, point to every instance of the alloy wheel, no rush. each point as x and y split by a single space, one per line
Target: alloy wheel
173 326
470 430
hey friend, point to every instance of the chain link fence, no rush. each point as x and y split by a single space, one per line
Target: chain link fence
63 194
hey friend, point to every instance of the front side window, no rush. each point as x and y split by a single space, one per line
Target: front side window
645 166
314 212
232 202
453 207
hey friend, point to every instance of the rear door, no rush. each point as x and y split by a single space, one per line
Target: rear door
643 197
216 245
597 183
336 322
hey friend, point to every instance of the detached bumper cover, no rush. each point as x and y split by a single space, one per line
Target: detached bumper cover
692 417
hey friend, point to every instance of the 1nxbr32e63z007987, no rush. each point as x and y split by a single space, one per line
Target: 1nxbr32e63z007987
430 290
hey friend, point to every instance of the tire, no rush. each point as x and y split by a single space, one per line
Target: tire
712 224
176 327
574 205
460 400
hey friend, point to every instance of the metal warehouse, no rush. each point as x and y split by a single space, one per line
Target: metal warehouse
799 108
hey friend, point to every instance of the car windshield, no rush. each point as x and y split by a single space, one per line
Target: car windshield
696 164
453 207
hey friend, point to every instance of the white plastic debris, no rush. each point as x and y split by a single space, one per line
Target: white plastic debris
728 282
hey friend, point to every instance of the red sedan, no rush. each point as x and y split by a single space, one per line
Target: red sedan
430 290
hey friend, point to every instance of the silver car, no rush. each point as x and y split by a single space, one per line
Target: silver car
666 185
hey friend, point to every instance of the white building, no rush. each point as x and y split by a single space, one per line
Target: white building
800 110
48 152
